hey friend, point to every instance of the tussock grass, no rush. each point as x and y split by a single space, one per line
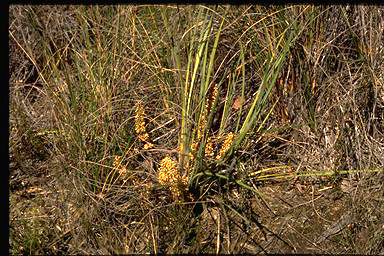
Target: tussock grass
168 124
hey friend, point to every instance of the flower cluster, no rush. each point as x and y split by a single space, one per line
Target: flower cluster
117 165
226 145
140 125
212 141
169 175
208 106
215 149
209 148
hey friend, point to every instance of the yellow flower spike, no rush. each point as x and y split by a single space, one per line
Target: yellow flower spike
208 106
209 149
193 148
169 175
148 146
140 125
116 161
168 172
226 145
118 166
202 124
139 118
215 93
144 136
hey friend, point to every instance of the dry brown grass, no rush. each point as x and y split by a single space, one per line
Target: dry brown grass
95 114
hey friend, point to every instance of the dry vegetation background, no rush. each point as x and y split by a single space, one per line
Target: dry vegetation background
285 105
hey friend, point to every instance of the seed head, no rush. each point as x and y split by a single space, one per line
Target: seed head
117 165
226 145
215 93
208 106
140 125
139 118
168 172
148 146
209 149
169 175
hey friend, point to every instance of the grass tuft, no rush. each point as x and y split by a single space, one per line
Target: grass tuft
196 129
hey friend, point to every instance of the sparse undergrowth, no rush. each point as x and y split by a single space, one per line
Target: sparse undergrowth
186 129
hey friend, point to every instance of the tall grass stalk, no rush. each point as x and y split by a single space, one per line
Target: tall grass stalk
198 70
